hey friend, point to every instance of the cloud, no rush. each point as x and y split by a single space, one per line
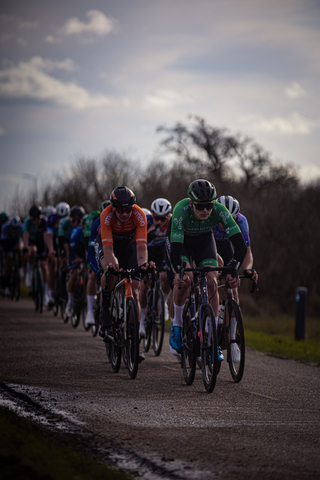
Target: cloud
14 28
163 99
98 25
2 132
295 124
295 91
30 80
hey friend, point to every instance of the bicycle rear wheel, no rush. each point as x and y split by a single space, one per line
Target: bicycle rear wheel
95 326
15 283
158 323
236 347
132 341
188 355
113 347
148 322
209 352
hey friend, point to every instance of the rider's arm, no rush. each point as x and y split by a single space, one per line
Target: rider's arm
240 248
248 260
142 254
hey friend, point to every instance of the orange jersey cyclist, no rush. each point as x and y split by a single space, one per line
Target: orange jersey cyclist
124 244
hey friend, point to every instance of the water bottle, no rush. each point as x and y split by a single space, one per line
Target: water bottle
221 314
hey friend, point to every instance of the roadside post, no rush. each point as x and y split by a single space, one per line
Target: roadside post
301 296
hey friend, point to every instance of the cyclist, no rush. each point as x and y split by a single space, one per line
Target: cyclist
124 244
11 240
4 217
91 290
76 253
224 246
157 224
190 231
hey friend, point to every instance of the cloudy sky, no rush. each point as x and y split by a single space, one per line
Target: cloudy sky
77 78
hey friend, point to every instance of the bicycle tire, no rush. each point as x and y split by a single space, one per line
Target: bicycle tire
238 342
132 340
146 341
158 323
95 326
16 283
39 291
114 345
188 354
209 351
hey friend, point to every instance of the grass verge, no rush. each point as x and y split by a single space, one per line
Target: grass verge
26 453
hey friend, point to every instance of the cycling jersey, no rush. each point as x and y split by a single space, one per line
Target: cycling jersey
221 236
89 222
11 237
36 234
76 246
133 230
65 228
95 230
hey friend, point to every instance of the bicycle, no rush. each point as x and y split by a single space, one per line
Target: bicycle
95 326
231 330
79 299
122 338
14 276
37 287
154 320
199 329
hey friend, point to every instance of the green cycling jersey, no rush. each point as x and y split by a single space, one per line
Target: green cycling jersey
185 223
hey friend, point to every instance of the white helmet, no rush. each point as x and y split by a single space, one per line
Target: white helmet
161 207
48 210
62 209
147 211
231 204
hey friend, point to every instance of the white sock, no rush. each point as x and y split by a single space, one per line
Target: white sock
90 303
143 315
166 296
70 298
177 317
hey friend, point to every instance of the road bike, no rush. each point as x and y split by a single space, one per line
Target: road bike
199 331
79 298
37 286
155 314
60 294
122 338
231 329
96 309
14 275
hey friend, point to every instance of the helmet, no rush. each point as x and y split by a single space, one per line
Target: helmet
48 210
104 204
147 211
15 221
202 191
62 209
3 217
122 197
35 211
161 207
231 204
77 212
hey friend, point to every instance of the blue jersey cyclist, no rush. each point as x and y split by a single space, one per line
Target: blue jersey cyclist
76 254
224 246
190 232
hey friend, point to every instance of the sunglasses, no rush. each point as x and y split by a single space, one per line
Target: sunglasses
159 219
124 210
202 206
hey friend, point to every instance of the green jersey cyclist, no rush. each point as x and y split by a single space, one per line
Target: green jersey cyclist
190 232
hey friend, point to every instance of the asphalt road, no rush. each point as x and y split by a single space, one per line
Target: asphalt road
265 427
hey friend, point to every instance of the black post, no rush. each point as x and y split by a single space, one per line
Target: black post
301 296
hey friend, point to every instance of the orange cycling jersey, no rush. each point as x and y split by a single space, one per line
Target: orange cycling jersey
135 228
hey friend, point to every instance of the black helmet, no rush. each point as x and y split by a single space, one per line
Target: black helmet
35 211
104 204
202 191
122 197
77 212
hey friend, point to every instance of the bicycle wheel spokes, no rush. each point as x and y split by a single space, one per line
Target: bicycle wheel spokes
158 323
113 347
236 347
188 355
148 324
209 352
132 341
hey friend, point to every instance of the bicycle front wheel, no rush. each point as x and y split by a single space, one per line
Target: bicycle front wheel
158 323
236 346
209 351
113 347
188 355
16 283
132 341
